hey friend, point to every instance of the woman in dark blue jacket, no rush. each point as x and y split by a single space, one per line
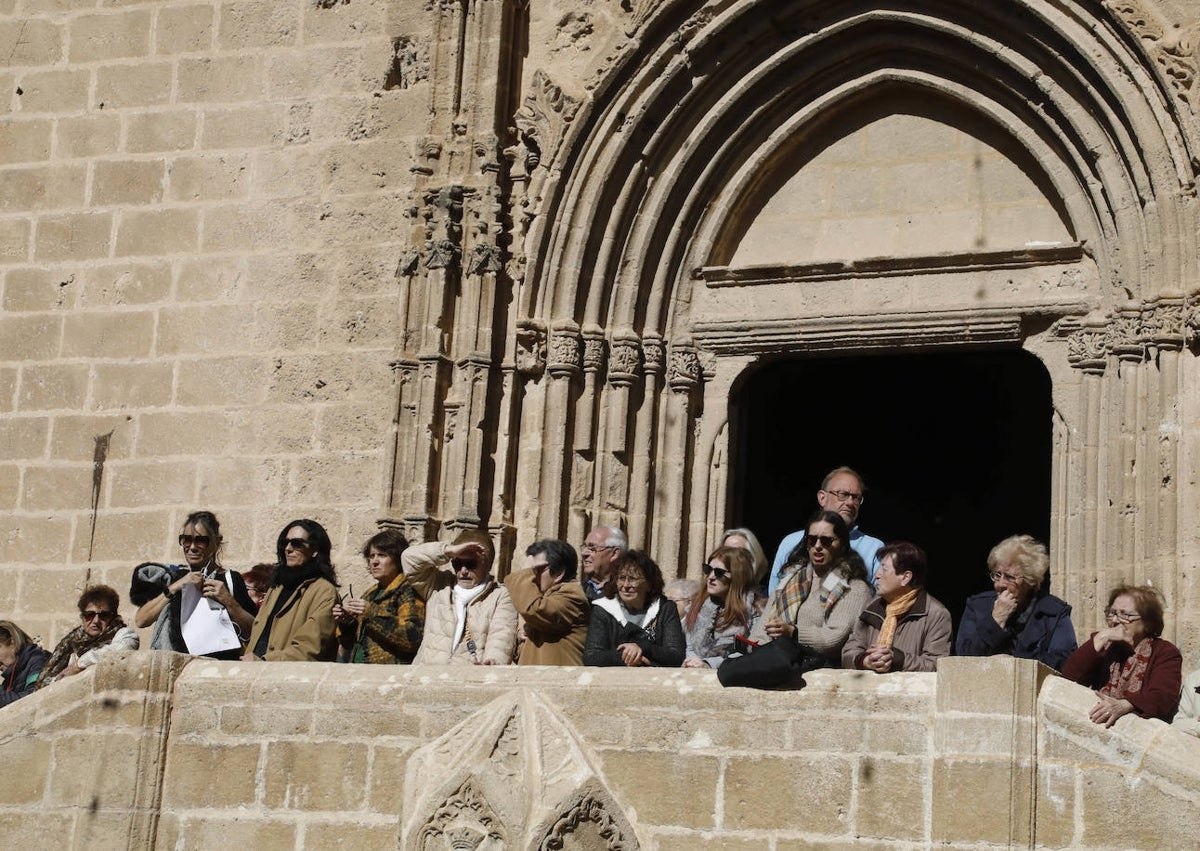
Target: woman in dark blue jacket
1016 618
22 661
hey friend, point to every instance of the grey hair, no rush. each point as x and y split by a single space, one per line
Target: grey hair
761 565
682 589
615 538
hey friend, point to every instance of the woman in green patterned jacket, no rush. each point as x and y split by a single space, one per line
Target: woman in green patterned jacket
384 625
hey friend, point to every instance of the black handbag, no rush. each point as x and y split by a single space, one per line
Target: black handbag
777 664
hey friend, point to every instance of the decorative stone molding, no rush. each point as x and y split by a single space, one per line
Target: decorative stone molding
624 358
443 214
512 775
683 371
531 347
543 117
565 357
409 261
1173 51
485 258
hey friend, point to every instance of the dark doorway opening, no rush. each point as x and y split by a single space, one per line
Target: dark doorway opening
955 449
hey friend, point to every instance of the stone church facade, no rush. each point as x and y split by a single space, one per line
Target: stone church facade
511 263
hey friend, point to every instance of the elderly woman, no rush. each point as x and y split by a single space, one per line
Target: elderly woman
748 541
159 592
722 610
1017 617
101 632
1187 718
21 660
469 617
633 624
1129 665
384 625
295 623
904 628
821 590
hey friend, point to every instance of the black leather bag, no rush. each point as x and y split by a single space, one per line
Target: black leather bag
778 664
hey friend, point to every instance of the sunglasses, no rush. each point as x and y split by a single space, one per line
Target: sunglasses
90 615
719 572
186 541
459 563
824 540
297 543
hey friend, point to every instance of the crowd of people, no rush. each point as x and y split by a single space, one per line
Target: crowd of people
833 597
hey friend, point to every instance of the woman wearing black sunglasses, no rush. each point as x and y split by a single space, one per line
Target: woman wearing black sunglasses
159 590
722 610
295 623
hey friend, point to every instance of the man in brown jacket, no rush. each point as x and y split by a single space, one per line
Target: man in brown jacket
551 604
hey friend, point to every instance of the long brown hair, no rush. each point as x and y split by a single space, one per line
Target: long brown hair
740 565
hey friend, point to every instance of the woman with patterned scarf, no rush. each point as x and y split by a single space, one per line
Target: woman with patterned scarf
904 628
824 563
383 626
1129 665
101 632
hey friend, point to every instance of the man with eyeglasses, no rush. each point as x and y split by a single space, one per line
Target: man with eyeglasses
602 546
841 491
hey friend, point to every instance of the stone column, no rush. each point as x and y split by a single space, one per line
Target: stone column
643 442
674 494
564 364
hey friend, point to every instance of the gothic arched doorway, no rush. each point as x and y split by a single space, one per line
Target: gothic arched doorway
955 448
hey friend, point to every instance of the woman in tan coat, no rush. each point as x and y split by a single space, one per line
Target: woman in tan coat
469 618
295 622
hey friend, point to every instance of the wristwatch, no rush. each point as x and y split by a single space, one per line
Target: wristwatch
168 593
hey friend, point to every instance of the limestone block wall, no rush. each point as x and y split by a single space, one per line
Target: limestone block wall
200 210
985 753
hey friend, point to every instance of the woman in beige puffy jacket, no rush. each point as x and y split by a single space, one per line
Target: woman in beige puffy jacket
469 617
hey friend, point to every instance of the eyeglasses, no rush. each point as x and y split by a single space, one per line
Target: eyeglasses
201 541
459 563
90 615
824 540
297 543
997 576
1122 617
630 580
593 548
847 496
719 572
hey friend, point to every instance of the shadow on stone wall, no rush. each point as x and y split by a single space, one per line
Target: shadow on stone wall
156 750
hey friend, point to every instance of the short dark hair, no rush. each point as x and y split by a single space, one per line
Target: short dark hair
907 558
560 556
390 541
643 564
105 595
1149 604
318 537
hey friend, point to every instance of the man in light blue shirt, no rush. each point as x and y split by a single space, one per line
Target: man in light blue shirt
841 491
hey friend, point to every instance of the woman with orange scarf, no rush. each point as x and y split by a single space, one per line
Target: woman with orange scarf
904 628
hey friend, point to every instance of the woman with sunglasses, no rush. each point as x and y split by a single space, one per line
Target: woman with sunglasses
822 588
101 631
295 623
158 590
633 624
1129 665
722 610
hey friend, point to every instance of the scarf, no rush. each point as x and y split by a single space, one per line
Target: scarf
462 598
287 579
896 609
795 588
1126 676
622 615
76 643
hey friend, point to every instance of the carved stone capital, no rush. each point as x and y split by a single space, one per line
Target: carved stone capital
443 216
531 347
654 352
593 349
484 259
683 370
1192 324
1125 334
1087 349
624 358
565 358
1163 323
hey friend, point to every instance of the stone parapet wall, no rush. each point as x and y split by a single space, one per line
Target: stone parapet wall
985 753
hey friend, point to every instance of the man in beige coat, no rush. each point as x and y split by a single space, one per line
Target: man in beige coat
469 618
551 603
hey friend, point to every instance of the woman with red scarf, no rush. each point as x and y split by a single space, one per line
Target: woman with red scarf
1129 665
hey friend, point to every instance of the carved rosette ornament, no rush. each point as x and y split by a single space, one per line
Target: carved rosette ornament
531 348
565 358
1087 349
1163 323
684 372
624 359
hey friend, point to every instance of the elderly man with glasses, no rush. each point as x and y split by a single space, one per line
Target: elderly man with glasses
842 490
601 548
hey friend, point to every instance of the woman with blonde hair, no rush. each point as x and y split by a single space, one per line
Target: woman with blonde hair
722 609
1017 618
22 660
1128 663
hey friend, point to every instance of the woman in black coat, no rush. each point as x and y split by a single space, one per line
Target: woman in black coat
21 660
633 624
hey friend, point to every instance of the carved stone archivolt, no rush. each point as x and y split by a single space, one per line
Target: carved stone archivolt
1173 50
513 775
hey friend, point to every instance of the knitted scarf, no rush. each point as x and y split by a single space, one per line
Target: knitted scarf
896 609
76 643
1125 677
794 590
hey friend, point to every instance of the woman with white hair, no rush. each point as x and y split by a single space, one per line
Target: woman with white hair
1017 618
748 541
